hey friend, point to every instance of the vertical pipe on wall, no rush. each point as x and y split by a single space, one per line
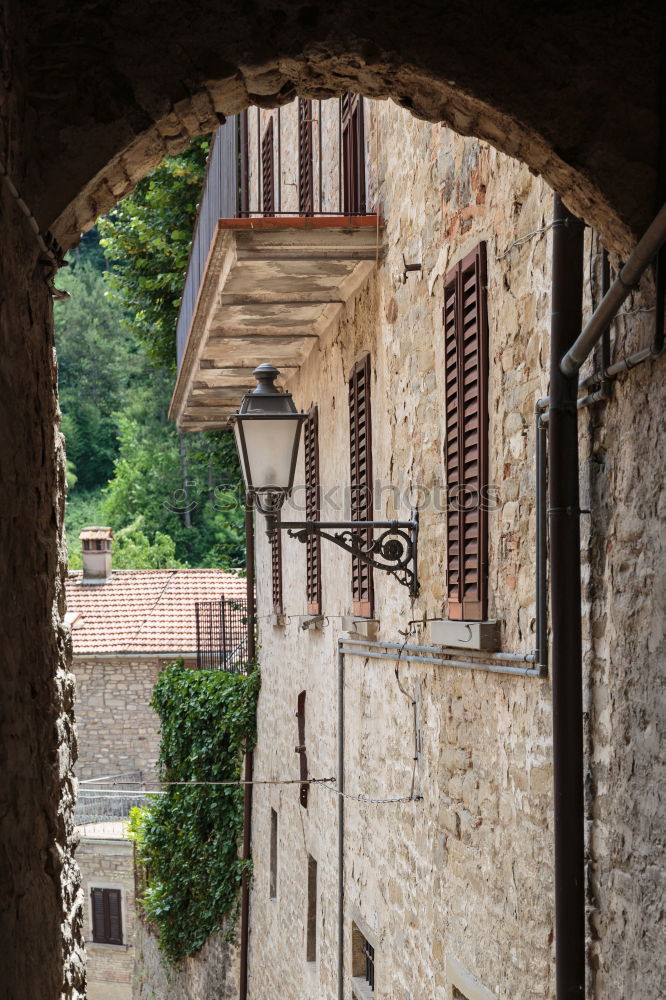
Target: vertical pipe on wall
541 540
565 570
341 822
249 758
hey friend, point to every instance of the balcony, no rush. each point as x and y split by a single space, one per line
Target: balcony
267 283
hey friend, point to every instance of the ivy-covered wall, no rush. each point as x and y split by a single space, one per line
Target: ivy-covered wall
187 839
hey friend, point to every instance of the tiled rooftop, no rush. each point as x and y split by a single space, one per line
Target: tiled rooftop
144 610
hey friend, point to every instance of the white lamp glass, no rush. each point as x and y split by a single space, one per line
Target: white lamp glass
269 448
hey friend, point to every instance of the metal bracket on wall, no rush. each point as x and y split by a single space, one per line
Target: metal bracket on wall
394 550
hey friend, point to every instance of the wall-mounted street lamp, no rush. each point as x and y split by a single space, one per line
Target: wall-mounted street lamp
268 432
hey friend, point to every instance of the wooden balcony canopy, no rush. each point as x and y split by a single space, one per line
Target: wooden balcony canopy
270 288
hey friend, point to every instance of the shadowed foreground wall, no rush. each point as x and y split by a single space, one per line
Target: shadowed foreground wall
40 903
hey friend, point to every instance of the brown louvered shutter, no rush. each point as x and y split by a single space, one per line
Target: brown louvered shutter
466 445
267 171
312 512
107 921
114 925
276 570
360 447
305 158
301 750
353 153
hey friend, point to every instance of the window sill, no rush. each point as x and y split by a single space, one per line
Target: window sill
278 621
484 636
366 627
100 946
361 988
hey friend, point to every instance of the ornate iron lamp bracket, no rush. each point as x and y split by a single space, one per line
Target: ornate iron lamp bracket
393 550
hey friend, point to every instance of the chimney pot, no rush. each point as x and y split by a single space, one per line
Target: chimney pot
96 551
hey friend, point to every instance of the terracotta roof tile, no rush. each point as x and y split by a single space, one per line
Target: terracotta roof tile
143 610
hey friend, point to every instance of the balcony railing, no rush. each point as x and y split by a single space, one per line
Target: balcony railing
222 635
306 160
219 200
109 799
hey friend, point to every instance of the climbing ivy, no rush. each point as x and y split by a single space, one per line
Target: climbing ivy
187 838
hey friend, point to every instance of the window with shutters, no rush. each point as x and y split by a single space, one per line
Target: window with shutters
301 749
268 171
466 443
353 153
106 916
312 512
305 158
360 447
276 570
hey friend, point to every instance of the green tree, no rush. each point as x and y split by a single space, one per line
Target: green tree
146 240
98 365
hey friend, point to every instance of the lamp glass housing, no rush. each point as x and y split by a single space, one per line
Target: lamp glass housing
268 431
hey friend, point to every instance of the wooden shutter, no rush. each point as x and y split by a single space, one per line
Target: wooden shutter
353 153
276 569
360 448
305 158
267 171
466 445
107 919
301 750
312 513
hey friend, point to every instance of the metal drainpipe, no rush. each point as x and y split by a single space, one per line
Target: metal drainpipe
249 761
565 570
341 821
541 539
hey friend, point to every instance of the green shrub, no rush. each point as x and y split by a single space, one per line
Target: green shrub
187 839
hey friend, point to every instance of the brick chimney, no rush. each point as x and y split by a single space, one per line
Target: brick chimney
96 546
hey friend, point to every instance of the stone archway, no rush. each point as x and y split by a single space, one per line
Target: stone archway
91 97
573 92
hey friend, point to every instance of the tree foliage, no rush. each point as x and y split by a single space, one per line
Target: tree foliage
98 366
127 465
187 839
146 239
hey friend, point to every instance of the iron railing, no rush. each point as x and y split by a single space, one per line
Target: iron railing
110 798
234 187
222 635
219 200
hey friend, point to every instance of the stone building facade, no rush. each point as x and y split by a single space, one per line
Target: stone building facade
106 861
125 626
447 850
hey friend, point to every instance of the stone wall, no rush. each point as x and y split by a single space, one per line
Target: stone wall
108 863
117 729
40 900
213 972
465 873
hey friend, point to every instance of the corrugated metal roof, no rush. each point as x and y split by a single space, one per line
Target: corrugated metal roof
144 610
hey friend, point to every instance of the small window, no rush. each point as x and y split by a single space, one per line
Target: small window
311 929
274 854
363 963
106 916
